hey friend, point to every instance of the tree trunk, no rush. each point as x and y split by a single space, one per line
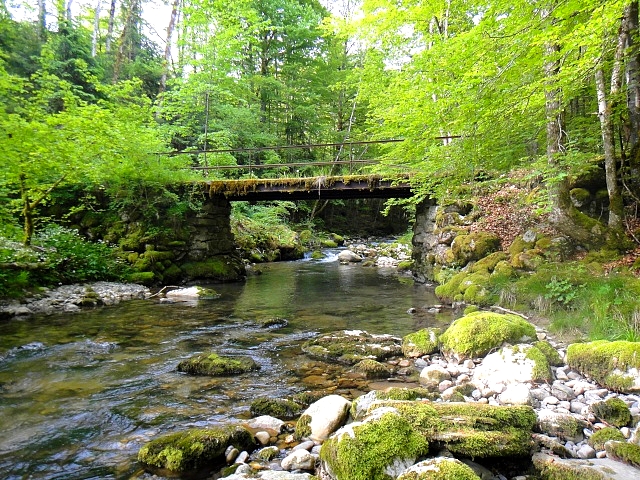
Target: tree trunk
167 48
96 29
68 11
633 79
42 19
112 16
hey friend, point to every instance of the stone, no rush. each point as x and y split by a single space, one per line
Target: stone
351 346
613 411
322 418
191 450
513 365
308 445
299 460
266 422
347 256
477 333
420 343
549 466
518 394
614 365
215 365
586 451
370 368
439 468
432 375
563 426
263 437
275 407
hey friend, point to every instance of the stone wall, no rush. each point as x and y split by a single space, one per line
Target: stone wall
425 241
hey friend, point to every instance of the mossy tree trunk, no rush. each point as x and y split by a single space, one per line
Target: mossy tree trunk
29 206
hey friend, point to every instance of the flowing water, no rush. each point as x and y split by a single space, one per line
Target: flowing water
80 393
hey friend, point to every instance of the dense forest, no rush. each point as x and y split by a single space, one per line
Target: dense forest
117 99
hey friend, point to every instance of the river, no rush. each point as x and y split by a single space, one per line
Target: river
80 393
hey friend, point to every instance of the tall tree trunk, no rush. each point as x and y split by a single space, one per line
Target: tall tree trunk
96 29
42 19
112 18
68 11
633 80
167 48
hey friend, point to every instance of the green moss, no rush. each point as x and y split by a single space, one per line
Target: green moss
193 450
396 393
473 247
350 348
602 436
273 322
329 244
553 357
156 256
376 445
303 427
317 255
143 278
217 268
172 272
478 295
488 263
541 370
519 245
450 291
623 451
282 409
268 453
478 333
371 369
215 365
440 468
613 411
554 470
470 309
606 362
405 265
503 269
422 342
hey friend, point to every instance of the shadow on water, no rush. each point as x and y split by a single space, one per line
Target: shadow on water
79 394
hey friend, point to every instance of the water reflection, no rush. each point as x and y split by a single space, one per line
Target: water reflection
79 394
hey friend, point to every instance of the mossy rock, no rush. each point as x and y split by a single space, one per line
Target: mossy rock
476 334
602 436
351 346
450 291
339 239
222 268
214 365
268 453
329 244
172 273
614 365
317 254
503 269
613 411
552 355
551 467
579 197
157 256
624 452
279 408
193 450
371 369
440 468
143 278
272 322
405 265
420 343
398 393
367 450
488 263
473 247
520 245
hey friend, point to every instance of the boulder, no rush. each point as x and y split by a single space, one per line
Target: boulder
550 467
439 468
513 365
191 293
351 346
214 365
275 407
561 425
266 422
477 333
347 256
613 411
614 365
299 460
371 369
323 417
432 375
193 450
420 343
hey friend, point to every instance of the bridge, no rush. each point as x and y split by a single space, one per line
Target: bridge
264 176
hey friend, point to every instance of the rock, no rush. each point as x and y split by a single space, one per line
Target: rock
552 444
214 365
563 426
308 445
614 365
439 468
347 256
322 418
273 475
268 453
371 369
299 460
477 333
191 293
626 452
604 435
586 451
351 346
516 395
266 422
421 343
432 375
275 407
263 437
551 467
513 365
193 450
612 411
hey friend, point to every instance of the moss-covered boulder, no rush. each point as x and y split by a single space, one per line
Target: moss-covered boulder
614 365
602 436
473 247
379 448
193 450
520 363
275 407
215 365
623 451
439 468
551 467
561 425
551 354
477 333
223 268
420 343
352 346
613 411
370 368
322 418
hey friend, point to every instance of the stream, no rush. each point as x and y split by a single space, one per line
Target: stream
81 393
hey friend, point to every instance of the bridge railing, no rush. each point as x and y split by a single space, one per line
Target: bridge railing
287 160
